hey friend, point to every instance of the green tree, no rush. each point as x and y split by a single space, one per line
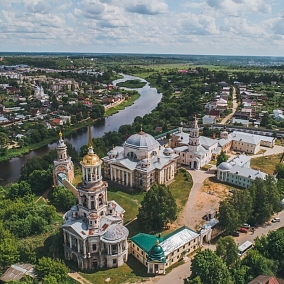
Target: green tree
3 143
210 268
19 190
275 247
259 265
62 198
280 171
56 269
8 248
227 249
157 208
222 157
228 217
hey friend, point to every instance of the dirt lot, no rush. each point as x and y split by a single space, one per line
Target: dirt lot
206 199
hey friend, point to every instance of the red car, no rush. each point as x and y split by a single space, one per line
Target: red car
243 230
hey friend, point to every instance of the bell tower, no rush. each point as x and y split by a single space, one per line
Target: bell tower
92 190
63 164
194 141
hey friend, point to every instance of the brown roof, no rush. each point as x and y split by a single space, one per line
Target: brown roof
262 279
17 272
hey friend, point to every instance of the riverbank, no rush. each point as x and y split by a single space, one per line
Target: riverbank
123 105
17 152
132 84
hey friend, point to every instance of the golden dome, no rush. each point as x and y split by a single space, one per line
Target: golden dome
91 159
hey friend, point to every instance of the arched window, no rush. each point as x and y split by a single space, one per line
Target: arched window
101 199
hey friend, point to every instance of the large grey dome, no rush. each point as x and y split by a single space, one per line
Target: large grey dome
115 232
142 140
225 166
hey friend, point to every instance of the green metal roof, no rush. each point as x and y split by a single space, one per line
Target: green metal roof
145 241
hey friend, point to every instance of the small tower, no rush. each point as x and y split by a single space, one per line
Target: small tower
194 137
92 190
63 166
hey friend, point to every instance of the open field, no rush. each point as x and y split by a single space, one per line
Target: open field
266 164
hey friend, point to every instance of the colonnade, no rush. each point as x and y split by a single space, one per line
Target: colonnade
79 244
121 175
120 247
91 174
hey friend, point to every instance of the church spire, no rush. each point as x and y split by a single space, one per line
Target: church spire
90 142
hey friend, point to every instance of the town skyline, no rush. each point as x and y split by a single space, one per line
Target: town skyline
211 27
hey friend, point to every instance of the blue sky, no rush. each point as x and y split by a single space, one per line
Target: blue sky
229 27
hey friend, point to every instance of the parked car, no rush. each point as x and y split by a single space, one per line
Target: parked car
242 230
247 226
275 220
235 234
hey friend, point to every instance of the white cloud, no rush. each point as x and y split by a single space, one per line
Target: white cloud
238 7
148 7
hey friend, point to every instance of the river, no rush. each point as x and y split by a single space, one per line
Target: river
148 100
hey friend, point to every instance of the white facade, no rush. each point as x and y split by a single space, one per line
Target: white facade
140 162
94 235
238 172
193 150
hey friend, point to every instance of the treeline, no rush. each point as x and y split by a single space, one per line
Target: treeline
225 266
255 205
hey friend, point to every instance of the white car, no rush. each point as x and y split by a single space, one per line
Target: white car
275 220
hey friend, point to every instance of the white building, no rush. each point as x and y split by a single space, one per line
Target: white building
94 235
159 253
140 162
193 150
238 172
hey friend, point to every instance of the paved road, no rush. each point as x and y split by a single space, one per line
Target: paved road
235 106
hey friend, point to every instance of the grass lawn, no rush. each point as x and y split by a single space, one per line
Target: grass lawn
132 84
71 281
266 163
181 187
129 201
132 271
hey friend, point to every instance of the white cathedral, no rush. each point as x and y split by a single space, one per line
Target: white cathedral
94 235
140 162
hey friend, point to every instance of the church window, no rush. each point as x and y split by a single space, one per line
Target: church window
100 199
94 247
110 211
114 261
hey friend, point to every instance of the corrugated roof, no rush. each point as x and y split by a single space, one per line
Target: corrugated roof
17 272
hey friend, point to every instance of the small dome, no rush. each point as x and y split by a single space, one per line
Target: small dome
168 151
145 162
112 152
61 144
225 166
181 124
156 252
74 208
142 140
115 232
91 159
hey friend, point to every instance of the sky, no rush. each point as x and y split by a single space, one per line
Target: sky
213 27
